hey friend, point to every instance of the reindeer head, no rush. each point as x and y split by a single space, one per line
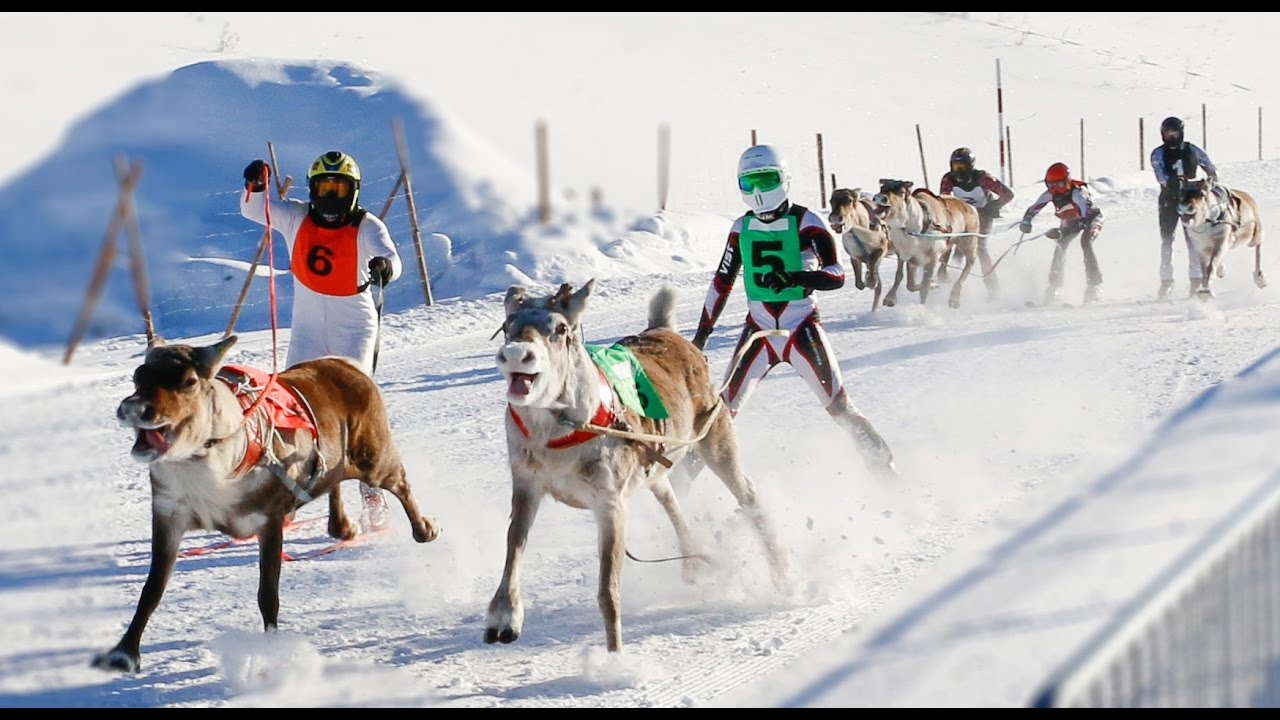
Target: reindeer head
1197 203
170 407
892 198
543 344
844 205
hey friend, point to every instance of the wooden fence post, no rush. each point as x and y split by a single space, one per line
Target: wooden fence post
1082 175
1142 148
544 191
403 153
924 172
141 288
822 175
103 267
664 164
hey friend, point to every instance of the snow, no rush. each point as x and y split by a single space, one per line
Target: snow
1055 460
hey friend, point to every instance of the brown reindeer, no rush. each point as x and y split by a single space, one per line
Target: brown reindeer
571 437
1217 219
222 456
865 238
925 230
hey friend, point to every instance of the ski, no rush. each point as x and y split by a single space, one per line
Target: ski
230 541
332 547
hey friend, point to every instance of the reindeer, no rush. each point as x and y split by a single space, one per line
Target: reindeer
865 238
570 436
925 229
230 449
1217 219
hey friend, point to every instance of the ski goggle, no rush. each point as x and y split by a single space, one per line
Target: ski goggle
760 181
1056 185
961 166
333 186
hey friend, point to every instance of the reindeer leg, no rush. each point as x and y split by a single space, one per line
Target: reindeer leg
873 275
505 618
926 281
667 498
425 529
611 520
857 274
944 262
340 526
892 298
720 448
270 547
970 258
912 285
126 656
1258 278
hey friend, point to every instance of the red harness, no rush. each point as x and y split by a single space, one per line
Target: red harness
282 408
603 418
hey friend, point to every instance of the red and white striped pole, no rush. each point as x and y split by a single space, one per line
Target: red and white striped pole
1000 118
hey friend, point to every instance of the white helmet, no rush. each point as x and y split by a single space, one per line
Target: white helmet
763 178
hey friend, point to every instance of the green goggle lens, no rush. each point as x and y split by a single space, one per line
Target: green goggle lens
760 181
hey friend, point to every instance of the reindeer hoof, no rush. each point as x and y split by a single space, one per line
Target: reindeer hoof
1259 280
889 302
117 660
954 302
506 636
429 531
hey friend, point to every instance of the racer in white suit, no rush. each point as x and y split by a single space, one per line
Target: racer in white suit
337 252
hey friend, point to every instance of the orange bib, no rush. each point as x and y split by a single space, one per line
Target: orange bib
327 260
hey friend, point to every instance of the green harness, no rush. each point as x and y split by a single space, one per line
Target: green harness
629 380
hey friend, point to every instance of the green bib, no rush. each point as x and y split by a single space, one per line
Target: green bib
628 378
765 250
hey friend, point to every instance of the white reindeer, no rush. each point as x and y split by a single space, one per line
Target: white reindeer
570 438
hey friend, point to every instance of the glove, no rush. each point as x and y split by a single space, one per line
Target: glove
380 271
1025 227
777 280
255 176
700 338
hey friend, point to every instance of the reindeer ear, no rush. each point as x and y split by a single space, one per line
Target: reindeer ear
514 299
907 184
856 192
209 359
577 302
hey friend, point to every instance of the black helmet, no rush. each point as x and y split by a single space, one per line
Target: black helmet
1171 130
962 160
334 200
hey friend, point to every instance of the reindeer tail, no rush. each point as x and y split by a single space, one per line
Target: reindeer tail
662 309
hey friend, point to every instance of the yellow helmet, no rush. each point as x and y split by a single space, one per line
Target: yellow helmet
334 185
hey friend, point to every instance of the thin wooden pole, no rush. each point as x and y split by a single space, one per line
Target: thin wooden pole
544 190
1008 131
833 182
1082 175
753 136
664 164
141 288
392 197
1000 124
1142 147
924 172
402 151
102 268
822 175
1204 126
282 189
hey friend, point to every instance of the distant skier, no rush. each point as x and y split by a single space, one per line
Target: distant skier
1172 162
1073 204
987 194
